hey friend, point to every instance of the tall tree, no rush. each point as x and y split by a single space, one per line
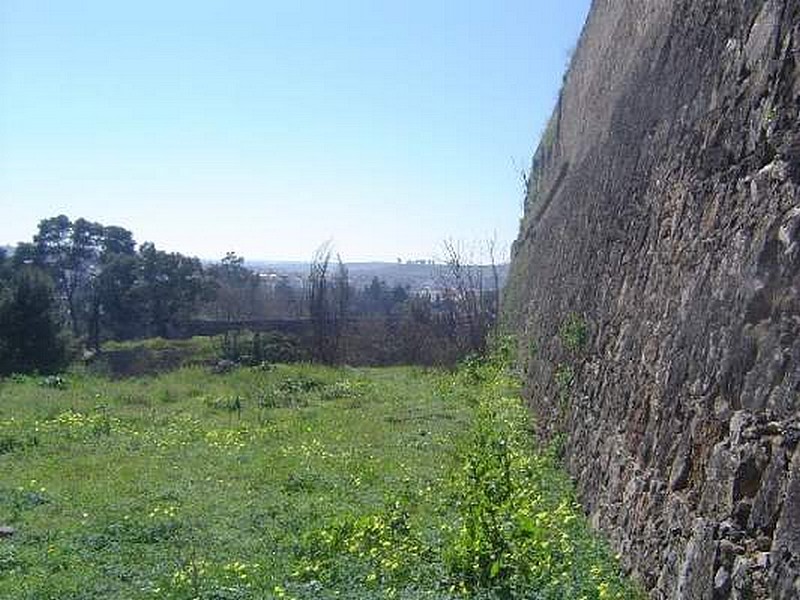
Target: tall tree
340 308
109 304
24 254
329 302
471 310
5 265
318 304
236 290
169 286
30 335
117 311
69 252
117 241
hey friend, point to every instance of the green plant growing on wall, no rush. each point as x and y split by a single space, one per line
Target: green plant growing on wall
573 332
564 378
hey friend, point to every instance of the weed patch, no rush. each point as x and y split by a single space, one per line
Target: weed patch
520 527
289 482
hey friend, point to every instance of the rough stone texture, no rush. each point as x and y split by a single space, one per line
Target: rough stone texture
664 210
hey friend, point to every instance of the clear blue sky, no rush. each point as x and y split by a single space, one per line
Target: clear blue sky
268 127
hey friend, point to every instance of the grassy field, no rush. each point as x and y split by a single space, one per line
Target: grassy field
286 482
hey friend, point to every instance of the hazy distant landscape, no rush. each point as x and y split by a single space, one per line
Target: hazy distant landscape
412 275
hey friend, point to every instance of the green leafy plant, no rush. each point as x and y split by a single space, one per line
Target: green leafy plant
383 545
573 332
520 527
564 377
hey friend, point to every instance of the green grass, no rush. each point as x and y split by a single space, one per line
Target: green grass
284 482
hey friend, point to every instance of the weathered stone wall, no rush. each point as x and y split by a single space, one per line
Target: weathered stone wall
663 213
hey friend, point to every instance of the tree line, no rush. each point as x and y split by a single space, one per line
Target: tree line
79 283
